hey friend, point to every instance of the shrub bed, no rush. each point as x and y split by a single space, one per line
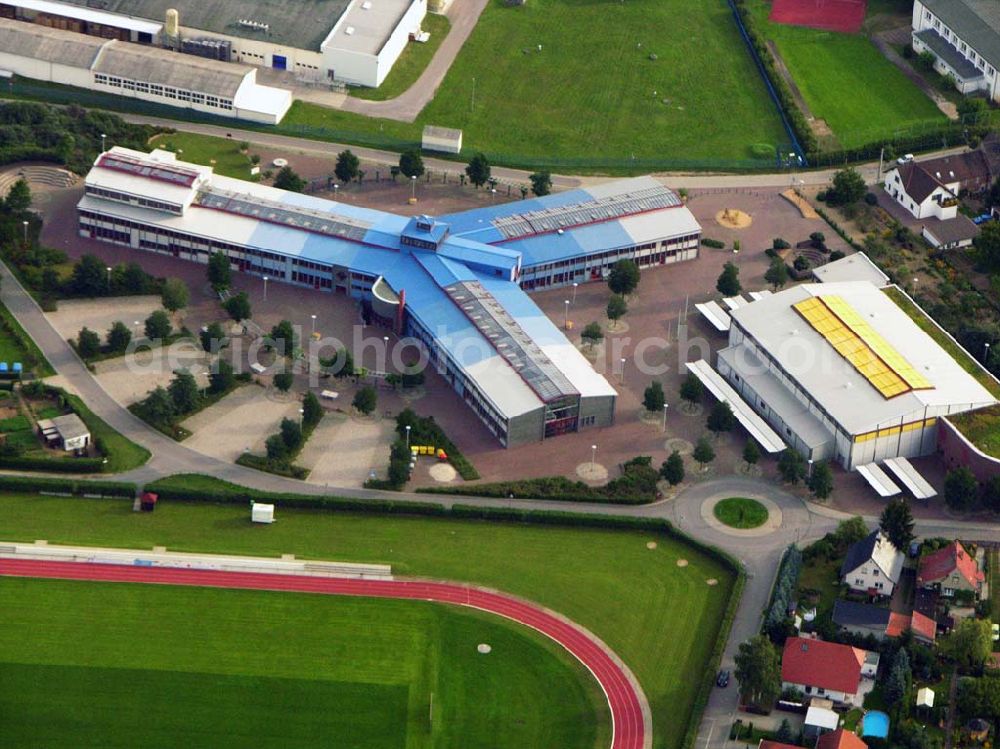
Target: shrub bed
425 431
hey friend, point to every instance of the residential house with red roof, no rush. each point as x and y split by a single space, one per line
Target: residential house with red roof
840 739
950 569
840 673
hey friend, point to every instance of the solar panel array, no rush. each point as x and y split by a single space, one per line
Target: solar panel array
867 351
510 340
274 212
175 175
586 212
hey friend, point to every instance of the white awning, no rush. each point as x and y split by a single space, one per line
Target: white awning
881 483
750 419
735 302
715 315
758 295
910 478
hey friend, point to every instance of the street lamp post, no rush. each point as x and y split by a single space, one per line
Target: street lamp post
103 136
623 371
665 407
413 190
493 195
265 288
593 457
407 437
575 284
25 225
313 324
986 352
336 188
809 472
566 314
109 276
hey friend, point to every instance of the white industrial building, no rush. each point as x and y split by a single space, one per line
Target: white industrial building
451 283
842 373
134 71
352 41
964 37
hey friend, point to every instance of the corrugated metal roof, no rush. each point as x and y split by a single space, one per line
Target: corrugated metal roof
166 68
50 45
977 22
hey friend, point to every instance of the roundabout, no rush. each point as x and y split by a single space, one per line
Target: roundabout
740 512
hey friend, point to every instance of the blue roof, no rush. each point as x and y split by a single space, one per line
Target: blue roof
478 219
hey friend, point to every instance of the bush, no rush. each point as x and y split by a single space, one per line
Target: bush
715 244
871 198
779 244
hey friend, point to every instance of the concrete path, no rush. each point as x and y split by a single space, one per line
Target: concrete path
405 107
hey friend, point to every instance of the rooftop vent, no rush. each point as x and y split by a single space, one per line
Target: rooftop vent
349 30
366 5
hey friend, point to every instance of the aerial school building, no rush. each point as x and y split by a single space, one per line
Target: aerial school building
454 283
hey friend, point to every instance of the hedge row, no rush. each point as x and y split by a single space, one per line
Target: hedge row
715 244
837 228
25 484
556 488
55 465
558 517
265 464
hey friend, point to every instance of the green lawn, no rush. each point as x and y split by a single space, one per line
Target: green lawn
662 619
201 149
199 667
588 94
821 577
846 81
411 63
741 512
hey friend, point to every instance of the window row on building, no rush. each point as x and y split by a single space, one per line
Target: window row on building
950 36
168 92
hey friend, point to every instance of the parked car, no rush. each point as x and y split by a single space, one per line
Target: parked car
722 680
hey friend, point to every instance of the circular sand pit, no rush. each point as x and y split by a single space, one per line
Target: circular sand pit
711 581
682 562
651 545
443 472
592 472
733 218
483 648
676 443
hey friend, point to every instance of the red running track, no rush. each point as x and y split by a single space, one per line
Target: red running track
628 729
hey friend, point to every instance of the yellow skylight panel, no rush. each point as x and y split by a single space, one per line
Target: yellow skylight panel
867 351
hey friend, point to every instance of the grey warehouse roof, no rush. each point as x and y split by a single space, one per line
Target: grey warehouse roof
50 45
302 24
138 63
977 23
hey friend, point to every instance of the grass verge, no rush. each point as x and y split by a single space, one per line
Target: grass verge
740 512
411 64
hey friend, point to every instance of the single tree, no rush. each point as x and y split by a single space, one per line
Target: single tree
287 179
119 337
970 644
184 391
703 452
672 469
791 466
478 170
175 294
541 183
135 279
220 271
986 246
238 306
312 410
624 277
848 187
339 365
348 166
728 283
158 407
776 273
758 670
158 326
784 734
291 434
991 495
897 684
221 378
896 523
616 308
850 531
365 400
751 452
692 389
961 490
90 277
411 163
283 381
212 337
276 448
283 338
18 200
592 334
654 399
820 482
720 418
88 343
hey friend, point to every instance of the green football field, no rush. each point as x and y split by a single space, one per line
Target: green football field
661 618
120 665
847 82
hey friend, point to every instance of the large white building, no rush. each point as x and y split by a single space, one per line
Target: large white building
353 41
452 283
964 37
842 373
133 71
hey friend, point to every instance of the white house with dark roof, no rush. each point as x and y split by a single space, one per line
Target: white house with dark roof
872 565
964 37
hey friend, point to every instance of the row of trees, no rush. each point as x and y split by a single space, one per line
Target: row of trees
962 491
